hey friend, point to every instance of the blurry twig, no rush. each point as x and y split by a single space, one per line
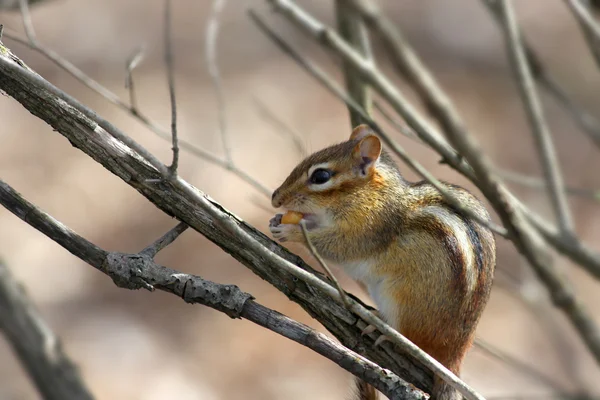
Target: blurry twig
136 113
352 28
324 265
281 126
27 23
533 107
538 183
589 26
139 271
36 345
165 240
132 63
212 32
168 43
519 365
586 121
399 126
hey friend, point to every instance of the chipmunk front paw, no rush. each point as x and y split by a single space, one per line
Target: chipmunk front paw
285 232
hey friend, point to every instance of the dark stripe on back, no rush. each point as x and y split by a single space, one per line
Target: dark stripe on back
475 240
445 235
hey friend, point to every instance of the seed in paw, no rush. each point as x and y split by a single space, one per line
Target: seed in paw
291 217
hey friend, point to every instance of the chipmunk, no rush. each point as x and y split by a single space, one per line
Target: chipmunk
428 268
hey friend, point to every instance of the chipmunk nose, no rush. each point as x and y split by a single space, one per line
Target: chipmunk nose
276 199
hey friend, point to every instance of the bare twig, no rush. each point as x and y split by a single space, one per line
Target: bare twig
526 238
36 345
165 240
353 30
138 271
538 183
27 23
281 126
145 120
589 26
533 106
519 365
212 33
132 63
585 120
324 265
399 126
171 80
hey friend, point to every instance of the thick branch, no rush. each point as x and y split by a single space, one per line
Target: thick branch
139 271
85 130
36 345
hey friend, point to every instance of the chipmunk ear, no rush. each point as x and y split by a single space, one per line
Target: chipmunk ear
361 131
367 152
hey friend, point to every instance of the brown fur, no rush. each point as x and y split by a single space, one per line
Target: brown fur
435 264
364 391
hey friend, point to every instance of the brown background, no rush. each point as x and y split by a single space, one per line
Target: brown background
140 345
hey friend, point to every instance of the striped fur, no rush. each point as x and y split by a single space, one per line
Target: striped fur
428 268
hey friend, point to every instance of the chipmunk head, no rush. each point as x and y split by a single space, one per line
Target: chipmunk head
342 168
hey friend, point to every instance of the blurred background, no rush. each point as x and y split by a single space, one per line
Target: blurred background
150 346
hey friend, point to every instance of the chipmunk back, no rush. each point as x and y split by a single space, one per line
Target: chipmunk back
428 268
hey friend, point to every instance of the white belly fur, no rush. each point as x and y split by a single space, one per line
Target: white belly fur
362 271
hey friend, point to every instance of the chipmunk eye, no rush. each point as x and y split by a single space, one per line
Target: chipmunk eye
320 176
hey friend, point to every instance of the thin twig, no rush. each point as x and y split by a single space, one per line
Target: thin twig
27 22
589 26
585 120
212 33
535 113
36 345
168 43
165 240
352 28
132 63
538 183
518 365
135 113
281 126
399 126
324 265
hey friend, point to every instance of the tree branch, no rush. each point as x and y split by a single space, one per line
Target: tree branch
36 345
353 30
88 132
535 113
139 271
510 210
589 27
